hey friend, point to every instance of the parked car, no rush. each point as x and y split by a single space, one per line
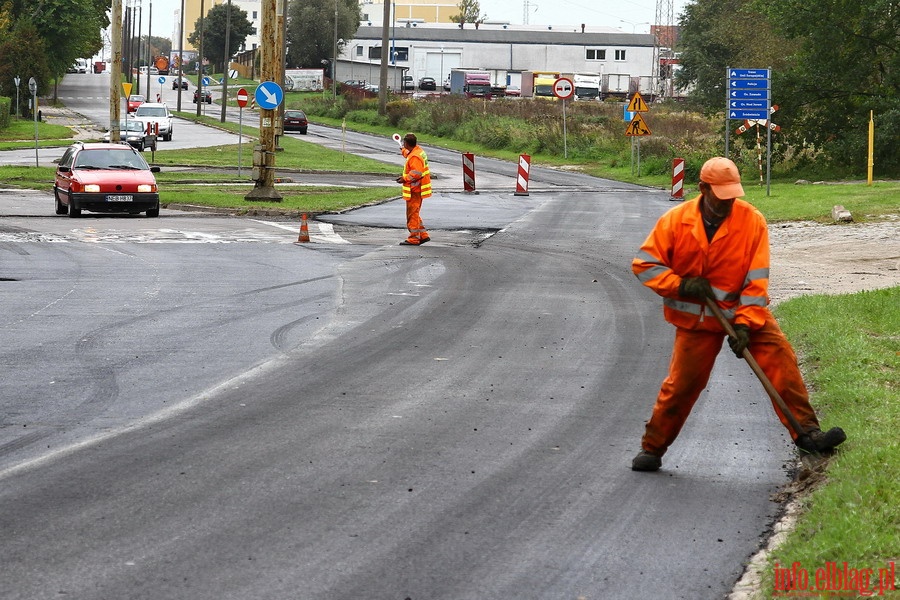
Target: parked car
132 132
135 100
295 120
156 115
202 96
427 83
108 178
178 81
447 84
408 83
513 91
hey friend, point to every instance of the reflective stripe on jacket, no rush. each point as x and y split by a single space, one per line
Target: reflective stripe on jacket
736 263
416 174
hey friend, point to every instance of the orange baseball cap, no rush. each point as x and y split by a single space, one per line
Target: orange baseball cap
724 178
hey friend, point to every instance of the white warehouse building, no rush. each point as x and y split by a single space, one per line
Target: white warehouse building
623 60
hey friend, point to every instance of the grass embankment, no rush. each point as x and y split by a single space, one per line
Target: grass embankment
850 348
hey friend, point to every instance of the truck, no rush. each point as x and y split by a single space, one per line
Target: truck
543 86
587 86
471 83
616 85
162 64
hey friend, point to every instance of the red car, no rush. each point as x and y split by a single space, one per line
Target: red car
109 178
134 101
295 120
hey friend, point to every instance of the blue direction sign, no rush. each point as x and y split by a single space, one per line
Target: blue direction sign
749 114
161 79
207 81
760 104
749 84
748 73
757 94
268 95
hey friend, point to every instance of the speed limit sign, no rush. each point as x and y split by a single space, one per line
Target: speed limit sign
563 88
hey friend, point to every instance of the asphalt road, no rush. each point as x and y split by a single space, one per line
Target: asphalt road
196 407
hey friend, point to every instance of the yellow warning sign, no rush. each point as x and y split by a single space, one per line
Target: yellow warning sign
126 87
637 127
637 104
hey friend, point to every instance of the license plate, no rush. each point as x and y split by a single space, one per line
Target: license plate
119 198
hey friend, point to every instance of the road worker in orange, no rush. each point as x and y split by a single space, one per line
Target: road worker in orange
416 180
717 246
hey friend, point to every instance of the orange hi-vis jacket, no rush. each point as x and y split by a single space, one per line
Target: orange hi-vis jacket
416 174
736 263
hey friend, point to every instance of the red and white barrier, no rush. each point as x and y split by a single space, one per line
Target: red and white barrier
522 176
678 179
468 163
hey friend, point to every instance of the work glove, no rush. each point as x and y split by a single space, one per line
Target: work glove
695 287
740 340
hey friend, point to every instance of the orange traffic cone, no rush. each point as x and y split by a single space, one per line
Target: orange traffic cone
304 230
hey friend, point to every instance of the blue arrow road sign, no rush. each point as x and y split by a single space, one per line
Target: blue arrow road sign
161 79
748 73
748 114
268 95
748 84
756 94
207 81
748 104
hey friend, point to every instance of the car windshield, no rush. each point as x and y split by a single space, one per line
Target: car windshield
136 98
294 114
113 158
150 111
131 125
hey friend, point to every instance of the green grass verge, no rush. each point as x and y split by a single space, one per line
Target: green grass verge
850 346
20 134
297 199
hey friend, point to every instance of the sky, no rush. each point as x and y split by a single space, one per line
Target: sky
627 15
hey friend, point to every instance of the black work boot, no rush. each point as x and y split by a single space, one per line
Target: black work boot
817 440
645 461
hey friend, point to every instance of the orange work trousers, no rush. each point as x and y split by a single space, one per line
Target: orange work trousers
414 224
693 357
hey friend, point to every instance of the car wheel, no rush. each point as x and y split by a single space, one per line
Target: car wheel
153 212
74 213
168 137
61 209
303 131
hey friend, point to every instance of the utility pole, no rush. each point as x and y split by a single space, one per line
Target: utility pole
115 70
270 65
200 64
383 78
226 62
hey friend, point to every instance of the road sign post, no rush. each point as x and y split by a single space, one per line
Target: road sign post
241 102
749 99
637 127
563 88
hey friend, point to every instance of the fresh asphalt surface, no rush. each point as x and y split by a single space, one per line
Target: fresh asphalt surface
196 407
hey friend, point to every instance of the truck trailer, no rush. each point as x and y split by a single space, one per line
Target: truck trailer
470 83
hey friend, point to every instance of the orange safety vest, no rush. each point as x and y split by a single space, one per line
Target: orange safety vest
736 263
416 174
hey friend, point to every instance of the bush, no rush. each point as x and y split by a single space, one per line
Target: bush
5 106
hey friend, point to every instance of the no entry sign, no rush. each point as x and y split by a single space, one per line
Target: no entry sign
242 97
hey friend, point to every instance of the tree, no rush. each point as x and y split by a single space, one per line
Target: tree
717 34
469 12
846 64
310 30
55 22
23 54
214 25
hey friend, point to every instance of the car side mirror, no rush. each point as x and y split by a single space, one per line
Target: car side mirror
154 169
64 169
